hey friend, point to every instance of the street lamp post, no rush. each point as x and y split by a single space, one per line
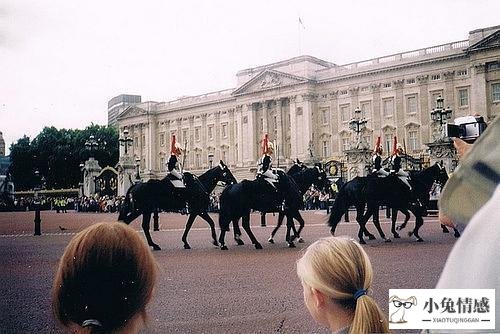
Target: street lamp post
125 141
440 115
91 144
37 221
358 125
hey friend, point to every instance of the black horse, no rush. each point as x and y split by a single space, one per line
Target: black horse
145 198
389 191
237 201
304 177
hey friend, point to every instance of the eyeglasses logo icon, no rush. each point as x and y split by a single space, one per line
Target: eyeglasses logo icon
401 305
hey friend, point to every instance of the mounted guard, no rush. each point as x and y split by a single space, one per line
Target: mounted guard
377 161
396 163
265 171
173 174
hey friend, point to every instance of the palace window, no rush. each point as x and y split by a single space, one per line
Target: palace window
325 148
345 144
224 130
345 113
197 160
299 111
387 85
325 116
162 139
413 140
261 124
343 92
388 107
461 73
435 77
223 155
184 136
365 110
388 138
143 139
136 142
197 134
275 123
463 97
210 132
411 104
236 129
495 92
368 139
410 81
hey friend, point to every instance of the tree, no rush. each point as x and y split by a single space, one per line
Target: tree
57 154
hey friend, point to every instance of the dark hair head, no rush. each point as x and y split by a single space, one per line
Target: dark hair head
107 274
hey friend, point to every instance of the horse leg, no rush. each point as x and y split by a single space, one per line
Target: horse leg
418 223
445 229
289 226
394 219
376 222
301 221
281 215
237 232
189 223
211 223
146 219
246 226
362 222
131 216
263 219
222 244
360 210
456 234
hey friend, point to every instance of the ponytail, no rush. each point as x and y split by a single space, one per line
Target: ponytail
368 318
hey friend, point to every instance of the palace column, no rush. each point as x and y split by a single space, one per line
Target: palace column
478 97
250 135
280 142
204 141
424 108
151 142
232 138
239 135
305 122
265 128
293 128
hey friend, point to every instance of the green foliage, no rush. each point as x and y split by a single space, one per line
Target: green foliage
57 154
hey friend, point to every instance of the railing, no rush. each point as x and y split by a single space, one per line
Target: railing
197 98
402 56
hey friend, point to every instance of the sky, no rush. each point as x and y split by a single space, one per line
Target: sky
61 61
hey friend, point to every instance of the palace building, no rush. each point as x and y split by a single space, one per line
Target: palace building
305 105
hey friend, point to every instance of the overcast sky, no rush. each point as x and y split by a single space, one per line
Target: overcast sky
61 61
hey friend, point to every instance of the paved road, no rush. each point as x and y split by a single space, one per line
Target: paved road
205 290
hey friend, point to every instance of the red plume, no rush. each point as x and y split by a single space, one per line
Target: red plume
394 145
173 150
265 144
377 144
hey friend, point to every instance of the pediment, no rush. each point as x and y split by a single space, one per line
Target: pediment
269 79
489 42
132 111
388 128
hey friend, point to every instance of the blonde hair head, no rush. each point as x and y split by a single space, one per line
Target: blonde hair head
338 268
106 277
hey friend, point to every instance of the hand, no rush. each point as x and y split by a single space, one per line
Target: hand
462 147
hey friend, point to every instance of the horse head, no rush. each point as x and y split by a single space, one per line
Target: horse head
224 174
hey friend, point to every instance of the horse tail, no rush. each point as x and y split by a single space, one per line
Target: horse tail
127 206
340 206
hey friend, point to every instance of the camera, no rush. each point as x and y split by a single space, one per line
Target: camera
467 128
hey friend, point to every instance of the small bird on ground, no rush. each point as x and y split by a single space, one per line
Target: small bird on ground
62 228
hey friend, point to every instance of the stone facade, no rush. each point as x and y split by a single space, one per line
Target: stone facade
305 104
2 145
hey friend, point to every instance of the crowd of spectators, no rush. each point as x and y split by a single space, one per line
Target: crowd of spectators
315 199
103 204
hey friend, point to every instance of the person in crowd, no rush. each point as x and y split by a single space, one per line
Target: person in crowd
470 201
336 276
104 281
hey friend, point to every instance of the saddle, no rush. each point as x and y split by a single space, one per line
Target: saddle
176 183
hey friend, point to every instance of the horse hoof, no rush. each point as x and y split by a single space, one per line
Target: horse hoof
361 241
215 243
410 234
396 236
420 240
270 240
239 242
399 228
223 247
371 237
258 246
456 234
446 231
186 246
387 240
156 247
301 241
291 245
